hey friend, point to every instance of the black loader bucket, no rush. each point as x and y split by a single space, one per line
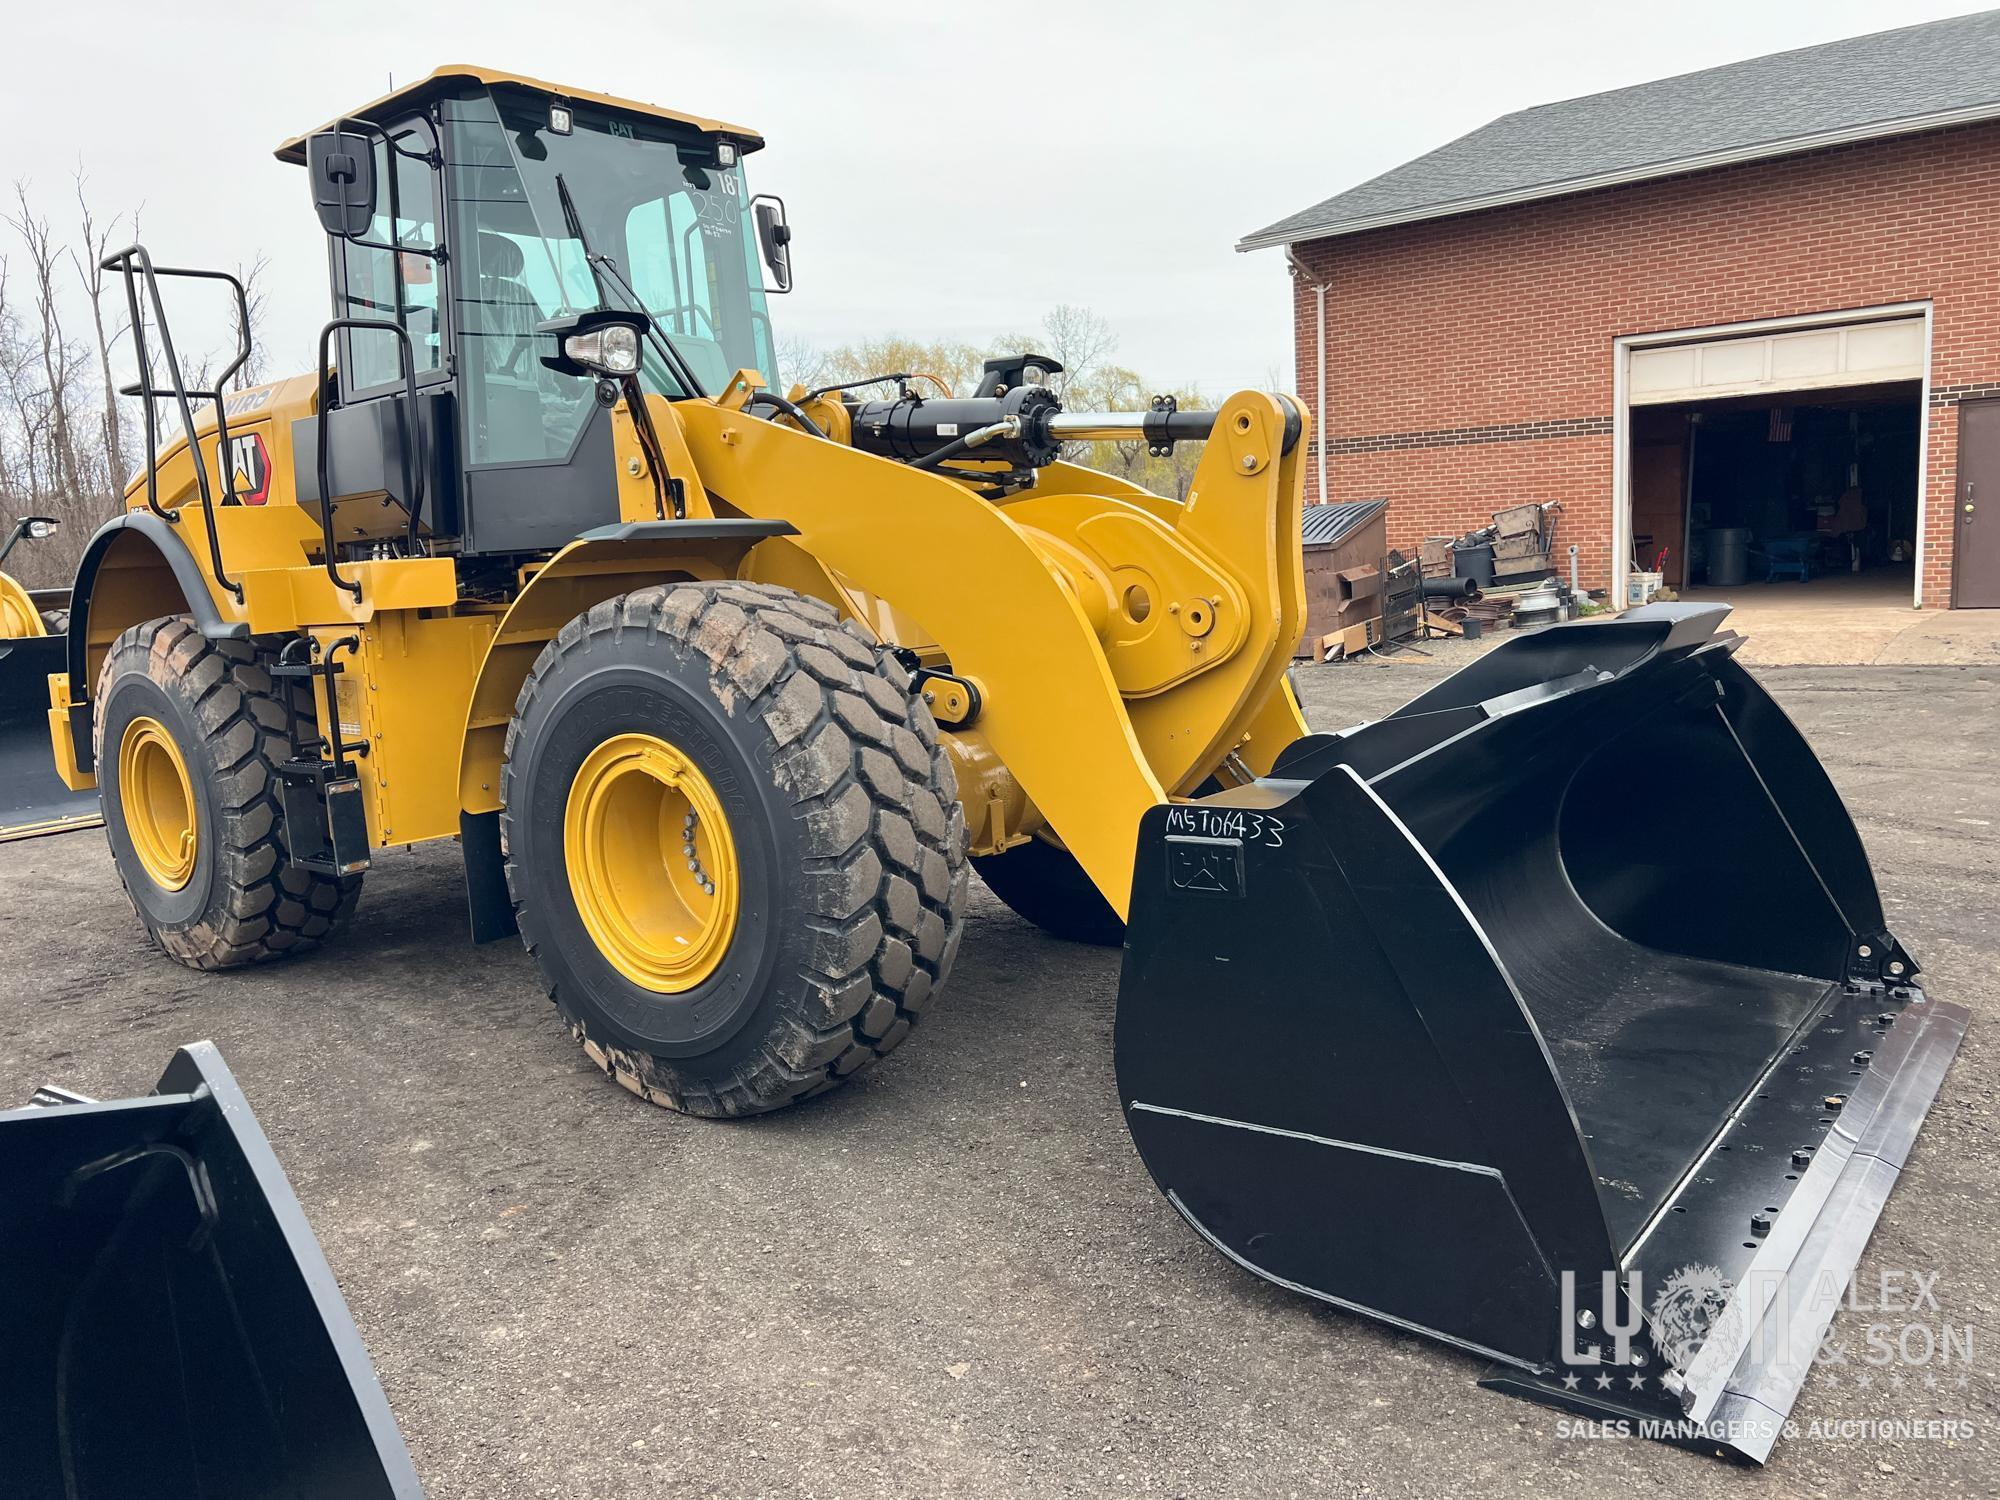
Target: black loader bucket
1553 1016
170 1327
33 799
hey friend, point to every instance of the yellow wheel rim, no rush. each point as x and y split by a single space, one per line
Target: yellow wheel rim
158 802
652 866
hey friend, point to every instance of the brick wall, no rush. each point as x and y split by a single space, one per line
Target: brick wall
1469 361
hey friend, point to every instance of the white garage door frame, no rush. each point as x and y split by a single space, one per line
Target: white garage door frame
1621 421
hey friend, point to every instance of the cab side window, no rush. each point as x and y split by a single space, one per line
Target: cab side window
512 272
391 278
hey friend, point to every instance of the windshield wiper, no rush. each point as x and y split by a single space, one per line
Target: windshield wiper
600 265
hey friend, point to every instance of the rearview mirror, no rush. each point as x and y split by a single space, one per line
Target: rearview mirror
774 239
34 528
342 167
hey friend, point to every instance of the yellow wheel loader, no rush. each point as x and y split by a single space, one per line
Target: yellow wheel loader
33 623
721 687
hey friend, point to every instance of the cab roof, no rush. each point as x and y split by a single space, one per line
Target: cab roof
294 150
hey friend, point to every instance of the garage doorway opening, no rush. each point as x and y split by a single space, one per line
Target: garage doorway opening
1812 493
1783 454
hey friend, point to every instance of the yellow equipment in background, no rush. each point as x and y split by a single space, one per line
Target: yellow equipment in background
33 623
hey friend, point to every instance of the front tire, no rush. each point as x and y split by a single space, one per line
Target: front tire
733 843
189 736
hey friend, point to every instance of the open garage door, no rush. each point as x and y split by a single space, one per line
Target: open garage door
1863 353
1786 452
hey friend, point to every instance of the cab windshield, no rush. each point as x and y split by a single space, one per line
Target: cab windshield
648 196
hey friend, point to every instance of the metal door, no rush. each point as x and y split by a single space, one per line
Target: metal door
1975 508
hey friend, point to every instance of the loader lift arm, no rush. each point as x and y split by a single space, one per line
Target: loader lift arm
1091 759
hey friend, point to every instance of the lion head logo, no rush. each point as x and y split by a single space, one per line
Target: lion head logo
1685 1309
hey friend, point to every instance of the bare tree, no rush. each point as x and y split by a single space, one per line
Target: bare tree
18 480
803 363
59 355
253 277
951 363
90 271
1075 338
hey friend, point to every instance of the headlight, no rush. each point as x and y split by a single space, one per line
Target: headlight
610 350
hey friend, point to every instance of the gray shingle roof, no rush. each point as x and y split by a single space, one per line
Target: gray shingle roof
1890 83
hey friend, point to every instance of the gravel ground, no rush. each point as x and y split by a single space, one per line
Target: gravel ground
953 1277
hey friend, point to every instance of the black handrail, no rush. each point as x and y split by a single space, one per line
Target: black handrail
295 660
412 435
135 259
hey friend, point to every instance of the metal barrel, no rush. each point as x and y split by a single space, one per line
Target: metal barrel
33 799
170 1325
1559 994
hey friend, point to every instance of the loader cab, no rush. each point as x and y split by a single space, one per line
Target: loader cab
498 206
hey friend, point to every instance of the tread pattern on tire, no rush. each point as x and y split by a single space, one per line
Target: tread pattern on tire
270 909
877 806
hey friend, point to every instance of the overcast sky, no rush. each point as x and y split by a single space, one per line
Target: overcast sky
951 169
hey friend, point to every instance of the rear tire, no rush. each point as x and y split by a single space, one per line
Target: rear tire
821 909
197 840
1042 882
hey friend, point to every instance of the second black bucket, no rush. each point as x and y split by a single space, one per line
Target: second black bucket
170 1326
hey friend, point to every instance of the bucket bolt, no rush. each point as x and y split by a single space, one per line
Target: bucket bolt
1887 1018
1863 1055
1760 1225
1802 1157
1834 1101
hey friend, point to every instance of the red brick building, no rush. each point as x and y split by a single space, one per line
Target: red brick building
1763 297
